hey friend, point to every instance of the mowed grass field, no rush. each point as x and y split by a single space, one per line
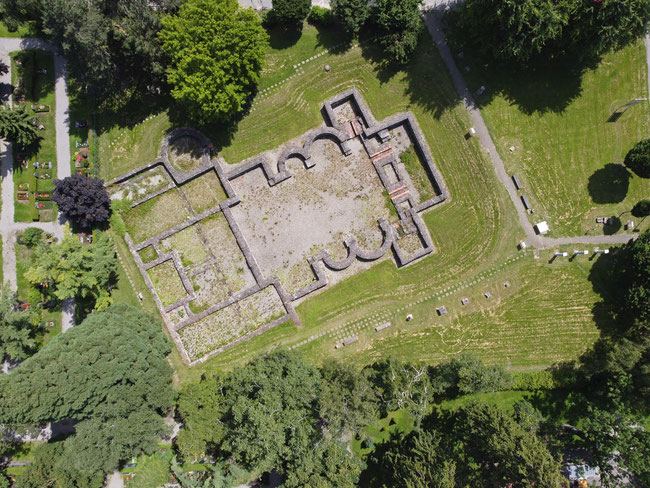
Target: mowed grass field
567 154
544 315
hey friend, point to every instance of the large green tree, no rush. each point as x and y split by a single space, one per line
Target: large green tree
16 126
351 14
110 366
641 209
638 158
70 269
475 445
511 29
111 46
16 330
347 400
290 12
400 27
216 50
531 30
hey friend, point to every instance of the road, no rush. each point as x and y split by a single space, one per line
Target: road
434 26
9 228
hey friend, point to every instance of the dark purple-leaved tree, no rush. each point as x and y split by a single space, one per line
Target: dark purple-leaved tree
83 199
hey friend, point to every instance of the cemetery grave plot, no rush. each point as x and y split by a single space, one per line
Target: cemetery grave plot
227 249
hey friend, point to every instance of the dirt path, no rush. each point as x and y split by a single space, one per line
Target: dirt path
9 228
532 239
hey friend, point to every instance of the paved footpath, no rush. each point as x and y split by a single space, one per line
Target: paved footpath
9 228
532 239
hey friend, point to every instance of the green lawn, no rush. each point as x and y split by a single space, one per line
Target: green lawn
286 50
567 155
24 30
41 93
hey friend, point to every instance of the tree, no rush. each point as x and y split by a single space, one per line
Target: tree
417 461
32 236
271 411
16 330
351 14
70 269
641 209
492 449
597 27
517 29
638 158
216 50
110 366
400 25
619 445
466 374
16 126
83 199
638 277
291 12
403 385
347 400
111 47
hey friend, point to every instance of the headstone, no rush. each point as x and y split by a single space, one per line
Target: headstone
465 301
409 317
487 294
328 67
441 311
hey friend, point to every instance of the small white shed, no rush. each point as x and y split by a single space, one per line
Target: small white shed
542 227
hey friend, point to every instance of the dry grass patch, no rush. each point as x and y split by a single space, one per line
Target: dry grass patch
155 216
231 323
229 258
204 192
187 244
168 283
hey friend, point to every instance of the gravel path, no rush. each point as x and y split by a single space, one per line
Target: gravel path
532 239
8 227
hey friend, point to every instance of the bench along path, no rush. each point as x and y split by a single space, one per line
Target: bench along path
532 239
9 228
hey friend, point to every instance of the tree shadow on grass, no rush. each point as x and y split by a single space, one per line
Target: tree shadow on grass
543 85
428 84
609 184
281 37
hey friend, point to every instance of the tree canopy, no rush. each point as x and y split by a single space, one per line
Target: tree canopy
83 199
69 269
110 374
16 126
528 30
216 50
638 158
400 26
16 330
111 46
351 14
641 208
290 12
475 445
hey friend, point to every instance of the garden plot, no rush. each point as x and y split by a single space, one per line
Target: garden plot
187 244
140 187
204 192
313 211
229 259
231 323
185 153
155 216
167 282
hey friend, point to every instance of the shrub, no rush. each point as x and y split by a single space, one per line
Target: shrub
320 16
533 381
32 236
